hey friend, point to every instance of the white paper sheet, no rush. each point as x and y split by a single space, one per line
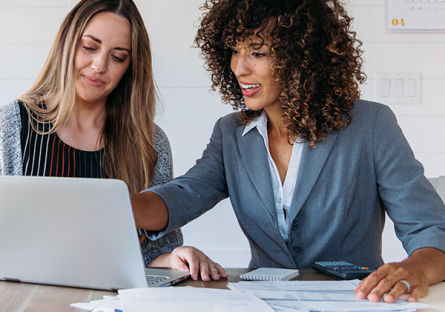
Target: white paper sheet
305 295
254 286
292 306
362 305
186 299
287 306
107 304
329 296
296 285
318 285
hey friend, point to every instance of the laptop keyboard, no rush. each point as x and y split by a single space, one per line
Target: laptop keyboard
151 279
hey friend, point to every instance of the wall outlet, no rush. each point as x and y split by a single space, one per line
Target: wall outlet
398 88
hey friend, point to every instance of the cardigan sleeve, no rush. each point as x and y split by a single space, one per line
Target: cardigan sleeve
10 146
163 174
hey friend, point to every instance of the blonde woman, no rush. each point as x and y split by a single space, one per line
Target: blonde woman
90 114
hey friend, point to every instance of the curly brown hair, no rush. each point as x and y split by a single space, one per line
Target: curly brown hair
317 59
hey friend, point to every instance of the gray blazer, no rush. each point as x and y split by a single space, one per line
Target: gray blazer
344 186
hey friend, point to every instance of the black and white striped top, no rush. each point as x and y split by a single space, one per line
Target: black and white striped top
47 155
13 120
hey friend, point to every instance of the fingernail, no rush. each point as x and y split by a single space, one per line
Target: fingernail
411 299
389 298
373 298
206 276
361 295
195 277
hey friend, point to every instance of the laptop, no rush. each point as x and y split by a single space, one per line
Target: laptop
72 232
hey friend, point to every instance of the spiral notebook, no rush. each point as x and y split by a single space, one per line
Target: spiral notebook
269 274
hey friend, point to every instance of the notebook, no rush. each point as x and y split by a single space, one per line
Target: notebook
269 274
72 232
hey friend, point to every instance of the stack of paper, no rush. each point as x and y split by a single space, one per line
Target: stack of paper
302 296
178 299
325 296
107 304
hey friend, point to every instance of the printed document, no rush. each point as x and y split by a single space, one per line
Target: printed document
108 304
296 286
186 299
323 296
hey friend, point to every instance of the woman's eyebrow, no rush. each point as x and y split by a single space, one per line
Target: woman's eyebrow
99 41
122 49
258 44
95 39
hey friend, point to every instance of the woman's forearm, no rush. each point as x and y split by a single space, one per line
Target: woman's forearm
149 210
432 263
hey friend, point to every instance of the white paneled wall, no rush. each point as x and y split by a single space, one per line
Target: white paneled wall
28 29
190 110
189 113
422 124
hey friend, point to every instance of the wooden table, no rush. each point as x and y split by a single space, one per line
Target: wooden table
305 275
18 297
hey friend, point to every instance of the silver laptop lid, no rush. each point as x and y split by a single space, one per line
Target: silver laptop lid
70 232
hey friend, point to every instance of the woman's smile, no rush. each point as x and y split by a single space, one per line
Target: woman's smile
251 64
249 89
95 82
102 57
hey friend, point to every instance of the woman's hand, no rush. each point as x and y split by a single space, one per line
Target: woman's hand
423 268
190 259
387 280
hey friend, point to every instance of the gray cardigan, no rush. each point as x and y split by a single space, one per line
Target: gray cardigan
11 164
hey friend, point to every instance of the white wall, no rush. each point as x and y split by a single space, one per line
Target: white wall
190 110
422 124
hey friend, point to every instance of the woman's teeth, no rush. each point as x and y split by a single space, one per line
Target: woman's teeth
249 87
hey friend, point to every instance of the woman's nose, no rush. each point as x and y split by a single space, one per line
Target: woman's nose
99 63
241 65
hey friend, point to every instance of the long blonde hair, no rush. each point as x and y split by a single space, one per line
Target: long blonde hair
128 132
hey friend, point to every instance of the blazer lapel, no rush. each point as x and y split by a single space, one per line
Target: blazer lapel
254 155
312 162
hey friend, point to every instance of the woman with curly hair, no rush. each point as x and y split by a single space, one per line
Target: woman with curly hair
309 167
90 113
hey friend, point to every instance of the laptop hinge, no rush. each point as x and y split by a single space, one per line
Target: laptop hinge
8 279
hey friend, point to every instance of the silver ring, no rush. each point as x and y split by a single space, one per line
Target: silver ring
408 286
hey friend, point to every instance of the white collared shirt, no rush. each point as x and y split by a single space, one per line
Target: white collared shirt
283 194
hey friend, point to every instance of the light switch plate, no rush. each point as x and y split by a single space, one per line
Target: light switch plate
398 88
